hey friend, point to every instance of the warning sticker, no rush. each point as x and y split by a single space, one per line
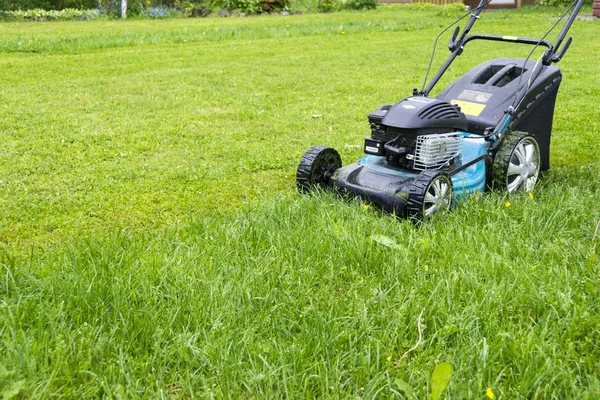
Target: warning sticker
475 95
469 107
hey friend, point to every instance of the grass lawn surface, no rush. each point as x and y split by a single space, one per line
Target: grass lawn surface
152 244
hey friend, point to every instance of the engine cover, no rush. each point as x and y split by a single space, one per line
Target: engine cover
395 129
422 113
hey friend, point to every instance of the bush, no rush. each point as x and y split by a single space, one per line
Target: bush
146 8
337 5
161 12
328 5
193 9
14 5
361 5
7 16
274 5
558 3
52 15
246 6
254 6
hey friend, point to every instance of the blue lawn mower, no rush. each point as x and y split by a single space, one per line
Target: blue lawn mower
491 128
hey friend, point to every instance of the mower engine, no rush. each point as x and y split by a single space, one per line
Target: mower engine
417 133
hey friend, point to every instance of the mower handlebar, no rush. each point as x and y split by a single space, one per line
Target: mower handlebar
459 45
553 54
511 39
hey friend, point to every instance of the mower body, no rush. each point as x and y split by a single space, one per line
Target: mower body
459 116
490 128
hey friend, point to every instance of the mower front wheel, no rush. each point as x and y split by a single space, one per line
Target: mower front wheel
431 193
316 167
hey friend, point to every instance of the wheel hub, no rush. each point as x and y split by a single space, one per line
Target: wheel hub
523 167
437 197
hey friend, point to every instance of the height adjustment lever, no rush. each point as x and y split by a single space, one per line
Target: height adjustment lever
556 57
452 45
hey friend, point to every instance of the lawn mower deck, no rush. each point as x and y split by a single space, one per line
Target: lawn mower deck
374 180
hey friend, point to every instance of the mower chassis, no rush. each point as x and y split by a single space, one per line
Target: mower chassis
372 179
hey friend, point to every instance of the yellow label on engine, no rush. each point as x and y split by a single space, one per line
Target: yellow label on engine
468 107
513 38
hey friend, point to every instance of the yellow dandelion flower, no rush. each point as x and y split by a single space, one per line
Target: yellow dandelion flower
489 393
507 204
366 206
343 33
531 195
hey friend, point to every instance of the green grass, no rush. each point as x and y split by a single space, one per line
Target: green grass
154 246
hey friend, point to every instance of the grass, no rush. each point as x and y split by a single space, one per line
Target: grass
153 245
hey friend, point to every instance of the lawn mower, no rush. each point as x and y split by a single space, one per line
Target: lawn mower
491 128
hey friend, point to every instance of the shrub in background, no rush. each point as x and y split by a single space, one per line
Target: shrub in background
170 8
246 6
274 5
361 5
328 5
143 8
161 12
253 6
193 8
14 5
52 15
7 16
334 5
110 8
558 3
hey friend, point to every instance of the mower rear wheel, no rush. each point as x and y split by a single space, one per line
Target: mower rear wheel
316 167
517 163
432 192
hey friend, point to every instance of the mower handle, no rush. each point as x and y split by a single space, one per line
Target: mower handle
551 55
460 45
511 39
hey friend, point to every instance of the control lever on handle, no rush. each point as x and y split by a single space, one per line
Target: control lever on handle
557 57
452 44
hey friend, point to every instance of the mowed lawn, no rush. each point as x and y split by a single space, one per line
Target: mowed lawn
152 243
